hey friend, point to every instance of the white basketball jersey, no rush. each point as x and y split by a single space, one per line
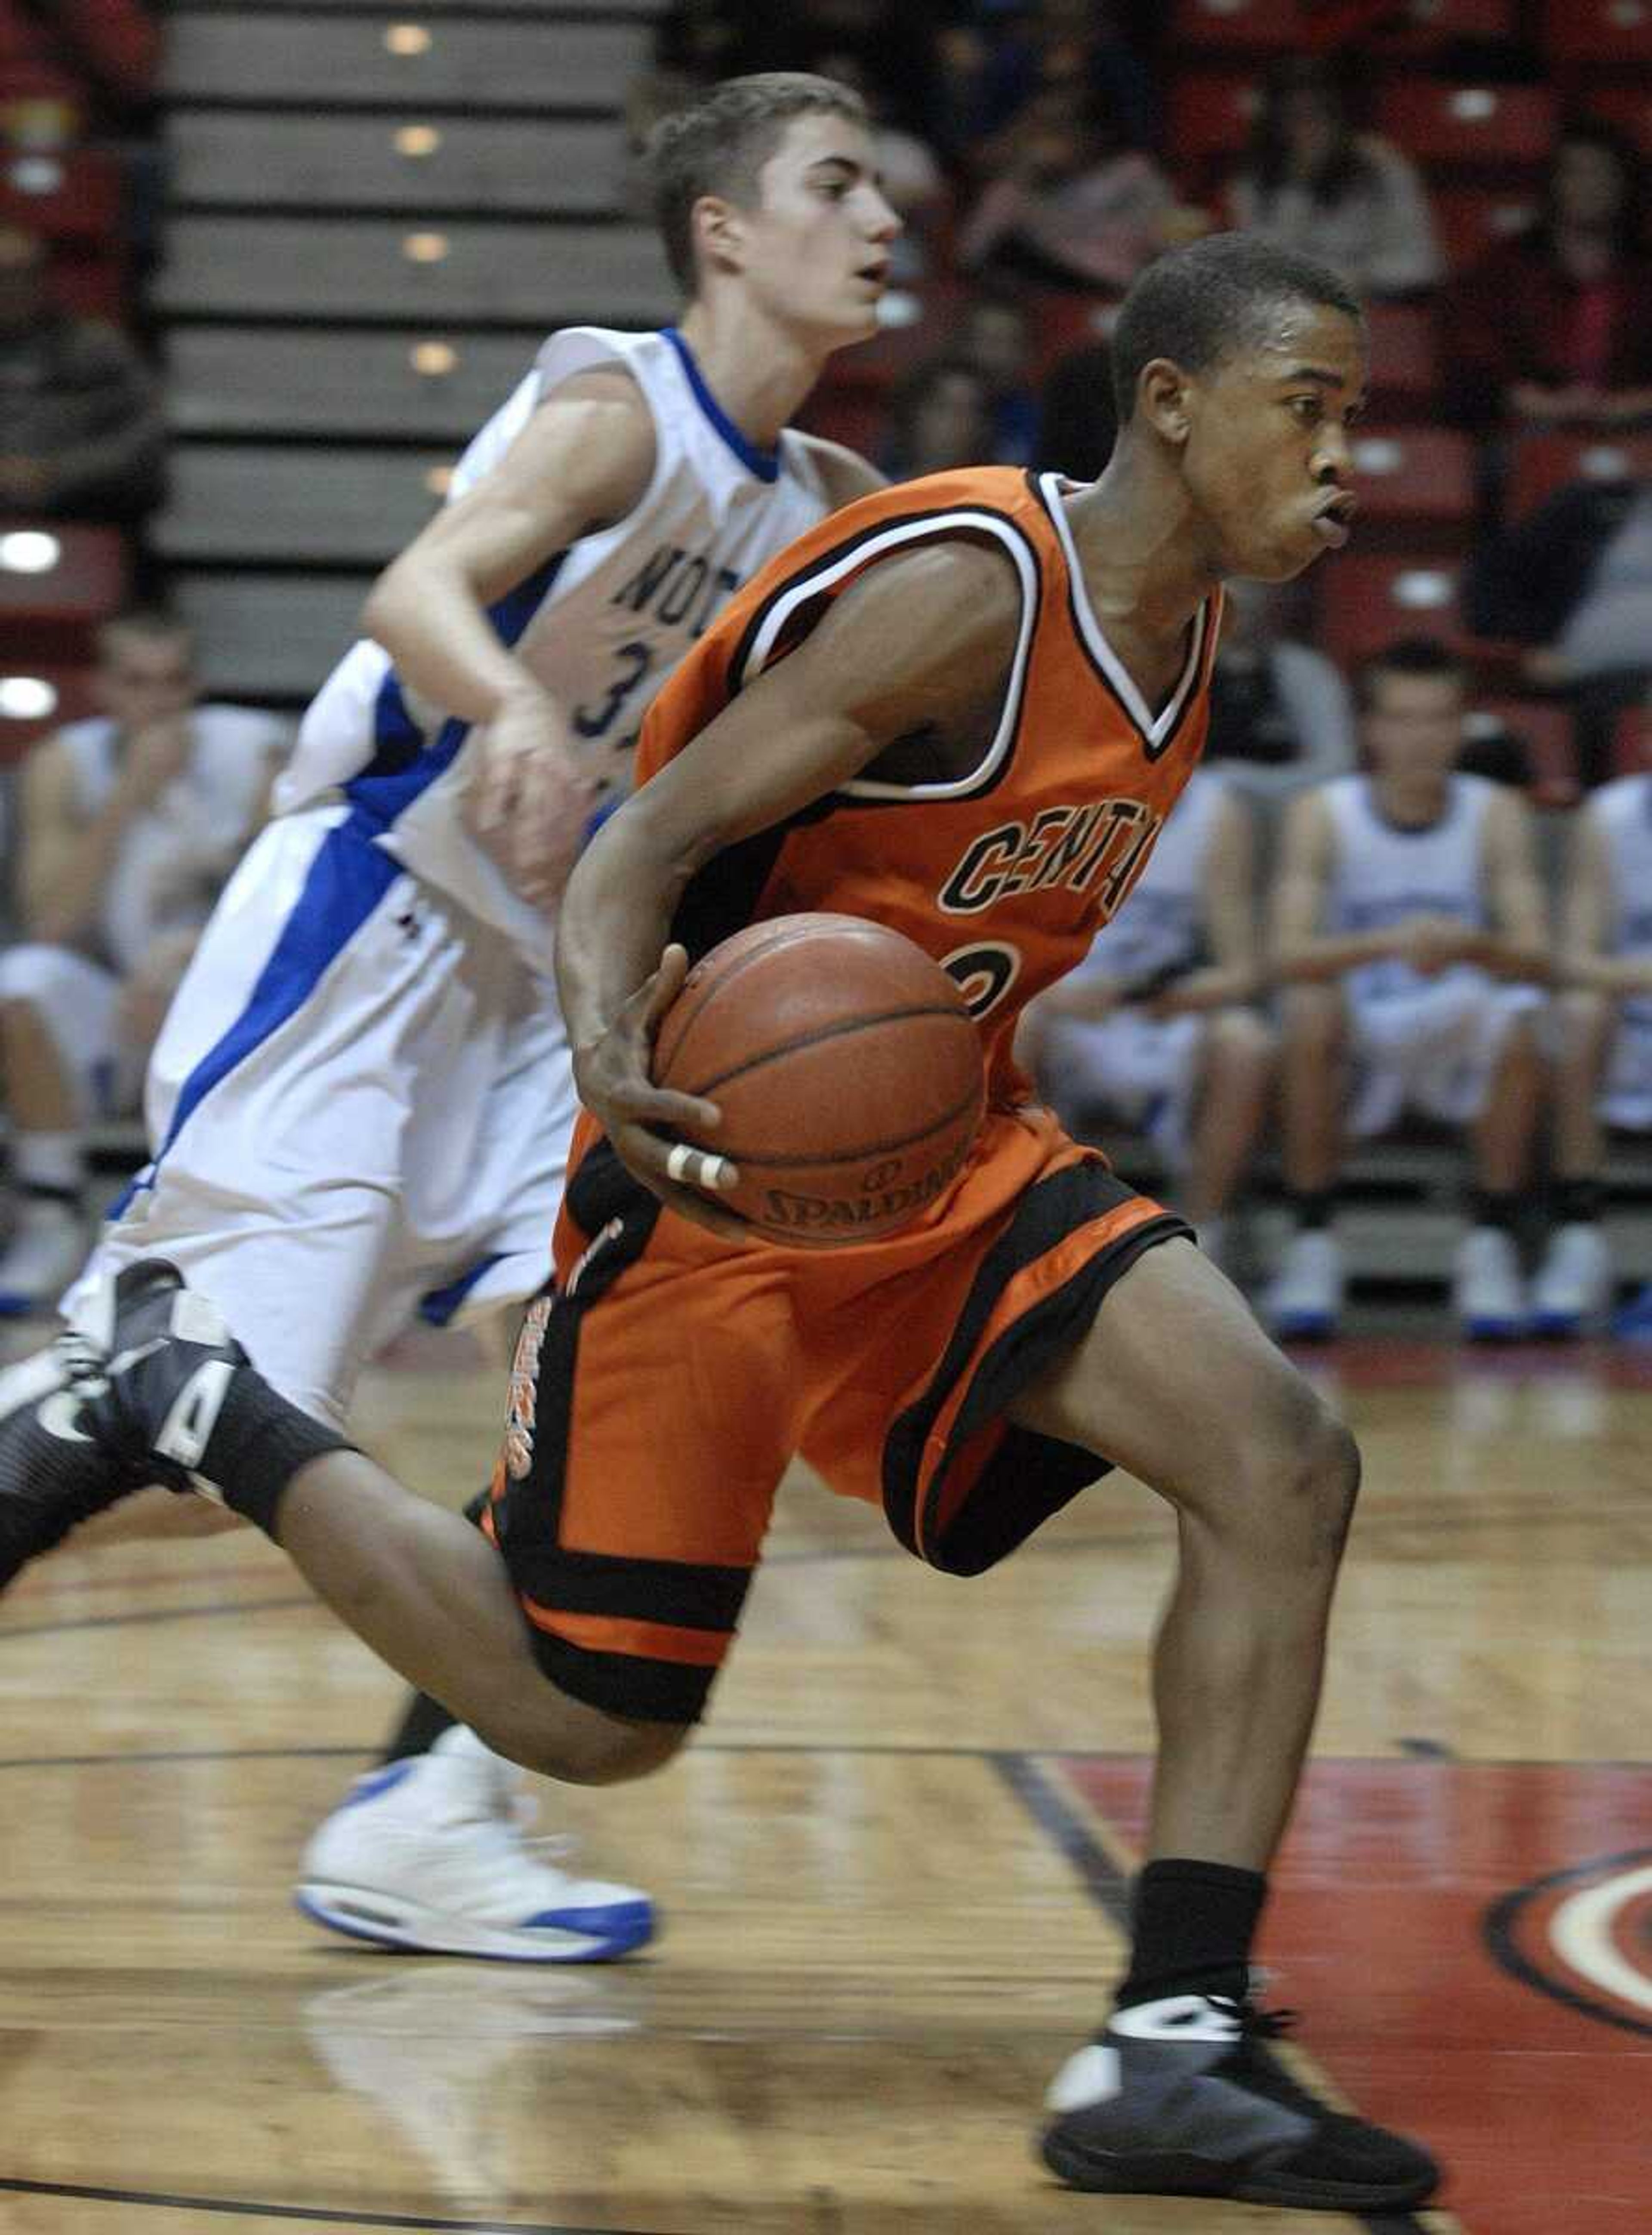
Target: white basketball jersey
174 857
601 623
1161 926
1385 873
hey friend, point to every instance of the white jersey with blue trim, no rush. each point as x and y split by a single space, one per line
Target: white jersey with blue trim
1161 926
1386 873
601 625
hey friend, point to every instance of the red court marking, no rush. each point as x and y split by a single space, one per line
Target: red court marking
1538 2111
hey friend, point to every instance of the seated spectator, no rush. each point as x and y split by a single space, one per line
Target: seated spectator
81 436
1410 938
1573 583
1155 1028
130 823
940 416
1281 716
1074 205
1603 1066
1554 327
1311 181
994 333
999 54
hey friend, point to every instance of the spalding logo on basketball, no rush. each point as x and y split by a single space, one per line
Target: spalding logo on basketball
1584 1937
847 1069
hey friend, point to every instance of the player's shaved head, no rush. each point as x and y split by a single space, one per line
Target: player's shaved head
1213 300
720 145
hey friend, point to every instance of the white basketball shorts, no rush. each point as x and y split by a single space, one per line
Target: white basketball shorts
1432 1049
1139 1070
363 1100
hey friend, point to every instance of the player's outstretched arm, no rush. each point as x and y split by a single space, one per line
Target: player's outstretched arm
581 463
921 642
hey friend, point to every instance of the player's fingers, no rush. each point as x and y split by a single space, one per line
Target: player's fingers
664 1108
657 994
674 1164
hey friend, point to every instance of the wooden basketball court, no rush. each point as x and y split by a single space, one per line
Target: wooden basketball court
892 1870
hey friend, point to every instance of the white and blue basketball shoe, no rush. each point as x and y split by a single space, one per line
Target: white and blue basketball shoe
428 1853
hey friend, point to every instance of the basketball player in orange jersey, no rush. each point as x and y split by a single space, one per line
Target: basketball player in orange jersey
963 707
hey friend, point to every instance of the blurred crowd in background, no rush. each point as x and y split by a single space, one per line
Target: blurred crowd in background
1479 168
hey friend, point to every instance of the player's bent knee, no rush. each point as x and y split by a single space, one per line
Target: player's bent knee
556 1735
1299 1472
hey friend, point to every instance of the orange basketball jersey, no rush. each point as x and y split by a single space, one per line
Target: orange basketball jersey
1004 873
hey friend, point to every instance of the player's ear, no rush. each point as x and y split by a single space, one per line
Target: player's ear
1162 393
720 232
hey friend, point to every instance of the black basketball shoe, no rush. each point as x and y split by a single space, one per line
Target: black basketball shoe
180 1402
1181 2097
55 1472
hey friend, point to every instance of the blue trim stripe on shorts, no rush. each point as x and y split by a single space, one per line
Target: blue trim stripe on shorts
347 880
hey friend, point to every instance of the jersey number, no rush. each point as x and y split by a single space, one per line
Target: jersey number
636 661
984 974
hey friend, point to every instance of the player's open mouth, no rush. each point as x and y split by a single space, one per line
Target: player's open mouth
877 273
1333 523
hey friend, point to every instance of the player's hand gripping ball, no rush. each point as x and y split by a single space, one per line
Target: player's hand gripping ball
847 1068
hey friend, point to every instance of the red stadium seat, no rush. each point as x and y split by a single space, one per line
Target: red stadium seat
57 582
1545 729
1502 126
1209 119
1632 742
1473 220
1366 604
69 194
1608 34
36 697
1414 481
1404 366
1630 106
1543 463
1239 29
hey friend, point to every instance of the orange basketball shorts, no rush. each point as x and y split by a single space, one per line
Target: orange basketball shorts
665 1379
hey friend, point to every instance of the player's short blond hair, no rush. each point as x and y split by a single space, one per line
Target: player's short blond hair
721 144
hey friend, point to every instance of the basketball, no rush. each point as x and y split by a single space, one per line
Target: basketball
847 1068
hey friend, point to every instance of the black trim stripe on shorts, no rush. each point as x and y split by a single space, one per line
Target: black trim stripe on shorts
618 1216
1030 1477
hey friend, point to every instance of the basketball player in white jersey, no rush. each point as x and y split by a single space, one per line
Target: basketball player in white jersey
1410 933
362 1099
1154 1030
130 824
1603 1065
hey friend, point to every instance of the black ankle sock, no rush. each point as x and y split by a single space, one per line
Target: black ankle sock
1576 1202
1498 1207
1313 1209
424 1720
1193 1926
259 1442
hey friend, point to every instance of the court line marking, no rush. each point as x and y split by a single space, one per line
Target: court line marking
1498 1929
214 1612
1100 1858
230 2207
